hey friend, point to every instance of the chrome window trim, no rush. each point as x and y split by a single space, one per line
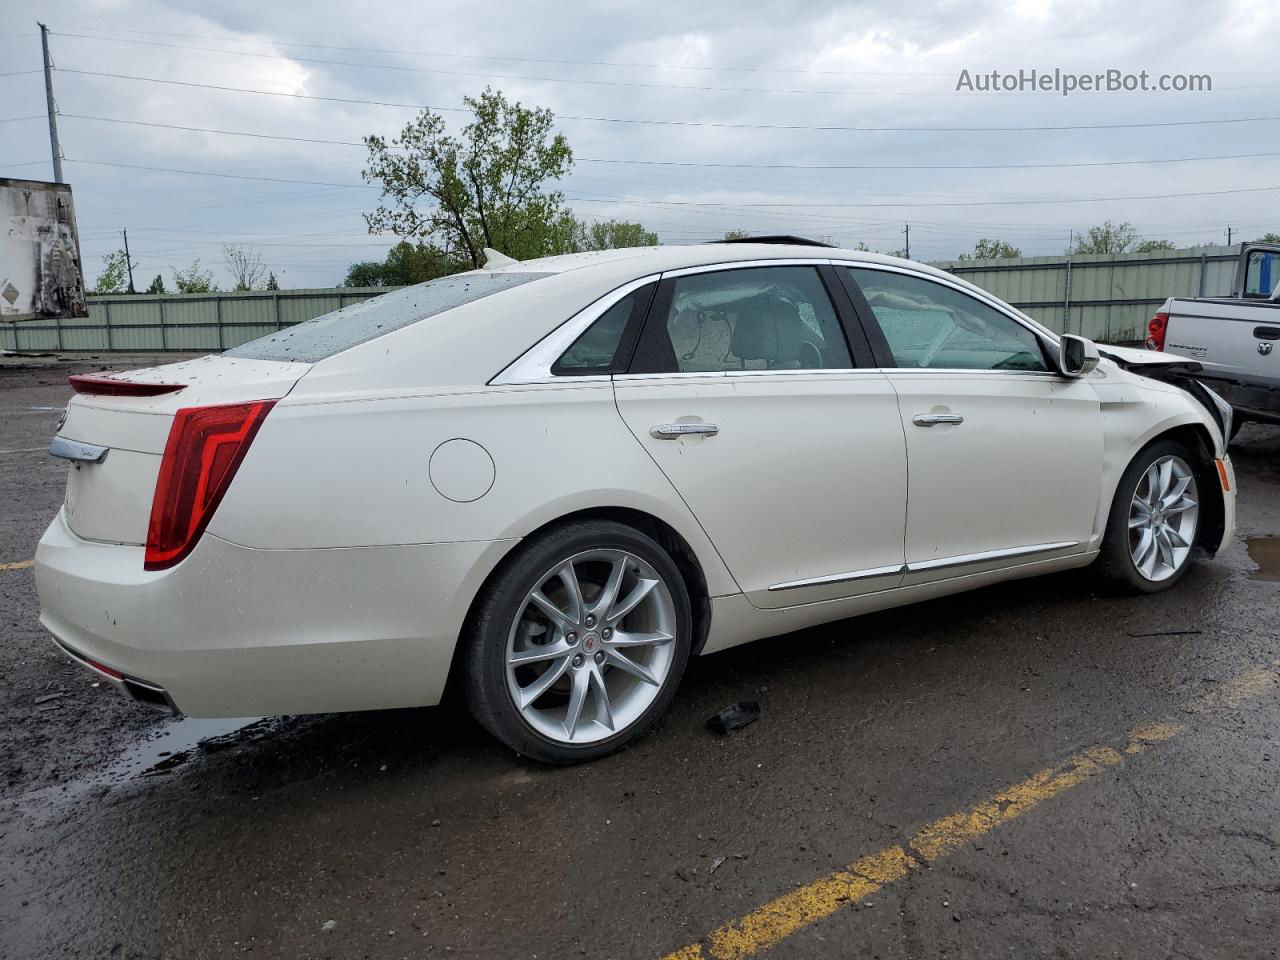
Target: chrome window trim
746 264
534 365
867 574
718 374
966 559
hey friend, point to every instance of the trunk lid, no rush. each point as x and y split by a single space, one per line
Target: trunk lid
111 500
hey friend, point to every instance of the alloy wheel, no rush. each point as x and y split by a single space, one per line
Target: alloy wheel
591 646
1163 515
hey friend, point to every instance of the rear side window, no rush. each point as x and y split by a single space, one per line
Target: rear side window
754 318
359 323
600 347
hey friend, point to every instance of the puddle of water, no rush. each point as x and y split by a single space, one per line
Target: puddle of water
1265 552
177 742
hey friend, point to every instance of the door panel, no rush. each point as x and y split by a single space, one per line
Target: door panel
805 478
1020 470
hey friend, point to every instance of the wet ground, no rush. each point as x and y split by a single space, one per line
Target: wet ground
411 834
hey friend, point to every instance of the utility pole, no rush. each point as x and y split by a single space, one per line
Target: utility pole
127 262
1228 234
906 230
48 98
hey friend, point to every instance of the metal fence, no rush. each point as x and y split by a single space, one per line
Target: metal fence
1104 297
190 322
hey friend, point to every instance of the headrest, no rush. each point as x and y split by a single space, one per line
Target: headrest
768 328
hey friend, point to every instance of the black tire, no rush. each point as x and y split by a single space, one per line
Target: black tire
1115 561
485 669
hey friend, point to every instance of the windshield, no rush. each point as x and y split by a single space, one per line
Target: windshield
343 329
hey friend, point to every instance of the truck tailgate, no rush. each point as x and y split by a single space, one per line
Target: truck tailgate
1230 337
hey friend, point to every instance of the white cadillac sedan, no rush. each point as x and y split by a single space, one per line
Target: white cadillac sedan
555 481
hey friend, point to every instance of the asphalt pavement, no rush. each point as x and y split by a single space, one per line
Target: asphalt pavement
1032 769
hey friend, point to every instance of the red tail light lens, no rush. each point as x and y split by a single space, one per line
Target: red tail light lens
1156 330
110 386
205 448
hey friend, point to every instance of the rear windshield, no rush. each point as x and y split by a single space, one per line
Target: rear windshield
343 329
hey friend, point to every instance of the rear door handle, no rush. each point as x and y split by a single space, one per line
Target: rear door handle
674 431
933 419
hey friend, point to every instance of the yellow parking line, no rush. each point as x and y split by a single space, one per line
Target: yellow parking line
778 919
18 565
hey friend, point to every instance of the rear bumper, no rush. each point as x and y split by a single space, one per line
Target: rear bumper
233 631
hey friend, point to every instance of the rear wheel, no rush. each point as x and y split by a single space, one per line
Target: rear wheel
579 642
1154 520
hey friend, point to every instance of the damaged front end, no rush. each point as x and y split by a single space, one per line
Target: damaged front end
1178 371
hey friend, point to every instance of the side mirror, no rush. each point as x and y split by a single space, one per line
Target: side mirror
1077 356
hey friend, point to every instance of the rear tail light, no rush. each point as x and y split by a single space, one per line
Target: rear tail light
110 386
1156 330
205 448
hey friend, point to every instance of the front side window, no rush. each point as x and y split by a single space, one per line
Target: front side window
936 327
1263 274
756 318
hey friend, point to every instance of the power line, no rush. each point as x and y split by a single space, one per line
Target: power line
729 166
19 73
34 116
711 203
473 56
692 123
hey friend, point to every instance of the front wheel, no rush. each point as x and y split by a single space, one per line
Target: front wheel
579 642
1154 520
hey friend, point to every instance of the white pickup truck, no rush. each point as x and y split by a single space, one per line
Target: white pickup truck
1236 338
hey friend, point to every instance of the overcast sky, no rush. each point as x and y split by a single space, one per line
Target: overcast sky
707 65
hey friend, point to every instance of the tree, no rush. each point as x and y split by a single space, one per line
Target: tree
615 234
1269 238
991 249
1107 238
193 279
157 285
272 282
406 263
737 234
115 273
245 266
1151 246
485 188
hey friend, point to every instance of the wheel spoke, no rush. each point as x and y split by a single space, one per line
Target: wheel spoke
1186 503
609 592
1139 513
621 639
604 708
627 665
641 590
1175 537
1166 479
569 577
544 683
577 697
536 653
1175 494
1152 476
556 615
1145 548
1166 549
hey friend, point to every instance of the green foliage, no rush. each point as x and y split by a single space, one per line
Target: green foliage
272 282
485 188
406 263
1151 246
115 274
992 249
193 280
571 235
1269 238
1107 238
737 234
157 285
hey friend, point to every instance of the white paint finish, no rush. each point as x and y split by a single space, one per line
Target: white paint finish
1022 468
111 500
360 572
461 470
238 632
806 477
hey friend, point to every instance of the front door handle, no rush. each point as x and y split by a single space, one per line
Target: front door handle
933 419
674 431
